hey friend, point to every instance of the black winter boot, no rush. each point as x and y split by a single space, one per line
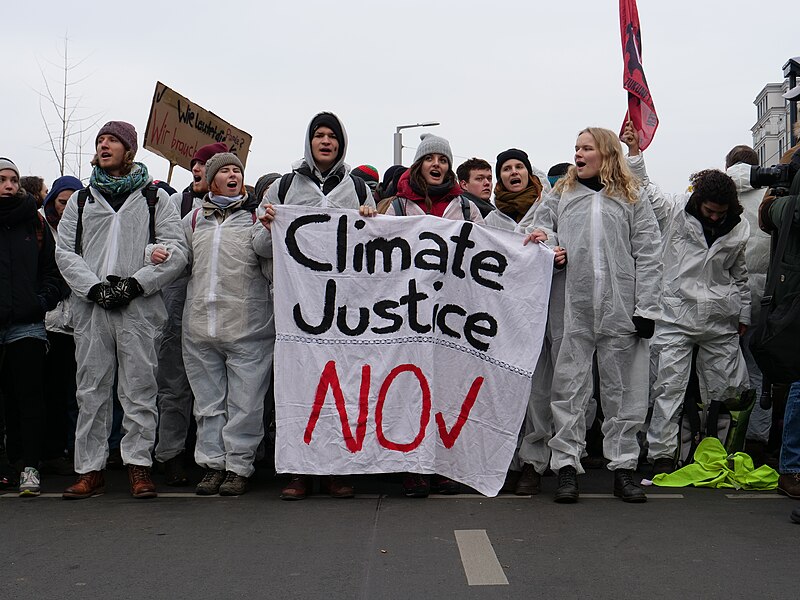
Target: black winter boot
625 488
567 492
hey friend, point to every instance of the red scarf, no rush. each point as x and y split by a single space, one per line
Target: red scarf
438 203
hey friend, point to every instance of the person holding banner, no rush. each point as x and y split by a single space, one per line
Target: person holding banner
517 193
228 330
430 186
323 179
598 214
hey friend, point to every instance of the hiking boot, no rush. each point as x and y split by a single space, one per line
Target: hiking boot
529 482
567 491
29 483
234 485
210 483
174 472
57 466
789 485
443 485
416 486
338 487
142 485
510 484
625 488
795 516
665 465
297 488
89 484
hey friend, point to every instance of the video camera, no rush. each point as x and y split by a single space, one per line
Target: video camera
777 177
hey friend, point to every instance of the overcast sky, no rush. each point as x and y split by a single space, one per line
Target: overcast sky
527 74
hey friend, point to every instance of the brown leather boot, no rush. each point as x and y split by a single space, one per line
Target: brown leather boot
89 484
339 487
141 484
297 489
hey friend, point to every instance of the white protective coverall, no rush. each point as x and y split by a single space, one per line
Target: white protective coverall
756 256
704 296
115 243
174 391
612 275
228 335
538 426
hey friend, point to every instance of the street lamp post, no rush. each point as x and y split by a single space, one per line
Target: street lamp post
398 139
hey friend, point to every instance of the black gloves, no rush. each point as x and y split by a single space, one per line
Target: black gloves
115 292
128 289
644 327
104 295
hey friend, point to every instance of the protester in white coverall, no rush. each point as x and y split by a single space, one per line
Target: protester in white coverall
174 391
228 330
321 179
611 300
705 300
516 195
117 309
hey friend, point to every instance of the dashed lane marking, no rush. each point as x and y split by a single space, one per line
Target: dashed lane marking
478 558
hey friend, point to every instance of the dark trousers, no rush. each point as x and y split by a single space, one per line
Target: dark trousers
21 380
59 394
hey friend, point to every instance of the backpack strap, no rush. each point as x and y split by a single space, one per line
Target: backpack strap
398 208
194 218
283 186
40 225
187 200
151 195
253 215
361 189
466 209
83 195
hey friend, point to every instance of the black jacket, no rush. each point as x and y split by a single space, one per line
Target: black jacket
30 283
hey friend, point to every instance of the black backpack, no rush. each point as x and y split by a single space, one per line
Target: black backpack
400 208
151 195
775 343
285 181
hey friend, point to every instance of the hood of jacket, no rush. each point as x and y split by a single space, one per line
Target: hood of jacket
308 159
740 173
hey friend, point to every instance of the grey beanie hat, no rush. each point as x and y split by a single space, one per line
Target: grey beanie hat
433 144
6 163
219 160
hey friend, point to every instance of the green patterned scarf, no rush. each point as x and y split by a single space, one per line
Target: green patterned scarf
108 184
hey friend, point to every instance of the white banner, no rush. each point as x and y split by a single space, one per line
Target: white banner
404 344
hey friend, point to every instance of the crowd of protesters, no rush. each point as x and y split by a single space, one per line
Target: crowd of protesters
133 316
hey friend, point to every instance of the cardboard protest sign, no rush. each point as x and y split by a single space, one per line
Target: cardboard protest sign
177 127
404 344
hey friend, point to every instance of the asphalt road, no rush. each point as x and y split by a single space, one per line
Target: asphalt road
683 543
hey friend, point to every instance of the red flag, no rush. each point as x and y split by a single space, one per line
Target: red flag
641 109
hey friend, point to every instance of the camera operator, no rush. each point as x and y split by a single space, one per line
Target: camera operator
771 215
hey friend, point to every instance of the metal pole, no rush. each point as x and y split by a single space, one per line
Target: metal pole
398 148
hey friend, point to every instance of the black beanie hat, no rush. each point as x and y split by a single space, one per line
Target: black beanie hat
509 154
326 119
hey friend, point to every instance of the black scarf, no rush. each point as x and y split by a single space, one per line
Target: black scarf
17 209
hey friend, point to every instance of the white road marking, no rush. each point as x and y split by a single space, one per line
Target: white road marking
478 558
755 495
